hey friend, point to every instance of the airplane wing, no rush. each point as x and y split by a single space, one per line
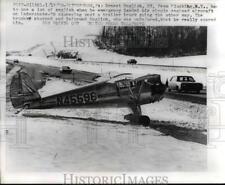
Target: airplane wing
51 68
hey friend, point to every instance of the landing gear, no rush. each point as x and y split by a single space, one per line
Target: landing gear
144 120
136 117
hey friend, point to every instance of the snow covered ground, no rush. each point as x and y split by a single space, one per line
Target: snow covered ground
90 52
95 54
55 145
115 62
58 143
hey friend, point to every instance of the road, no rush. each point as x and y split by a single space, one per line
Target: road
200 98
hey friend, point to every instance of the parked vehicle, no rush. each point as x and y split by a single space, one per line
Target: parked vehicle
184 83
16 61
65 69
132 61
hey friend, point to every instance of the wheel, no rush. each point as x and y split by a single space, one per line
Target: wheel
144 120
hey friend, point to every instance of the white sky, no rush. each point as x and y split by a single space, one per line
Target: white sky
23 37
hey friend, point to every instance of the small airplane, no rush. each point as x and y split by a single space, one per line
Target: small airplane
120 91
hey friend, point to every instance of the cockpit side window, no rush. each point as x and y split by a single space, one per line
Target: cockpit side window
125 83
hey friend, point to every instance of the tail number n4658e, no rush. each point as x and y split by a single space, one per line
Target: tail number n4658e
74 99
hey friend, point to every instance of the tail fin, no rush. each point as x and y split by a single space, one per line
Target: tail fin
22 90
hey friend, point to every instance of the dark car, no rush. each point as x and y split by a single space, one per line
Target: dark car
65 69
16 61
132 61
184 83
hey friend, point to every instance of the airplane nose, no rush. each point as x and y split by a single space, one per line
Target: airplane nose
157 91
159 88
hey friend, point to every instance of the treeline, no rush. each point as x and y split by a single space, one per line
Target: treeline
160 41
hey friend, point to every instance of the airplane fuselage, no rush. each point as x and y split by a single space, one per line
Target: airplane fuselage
117 93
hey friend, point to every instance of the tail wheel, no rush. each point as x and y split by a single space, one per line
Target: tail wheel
144 120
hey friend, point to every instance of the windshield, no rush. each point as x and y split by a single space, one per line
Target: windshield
185 79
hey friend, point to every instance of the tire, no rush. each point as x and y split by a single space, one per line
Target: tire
144 120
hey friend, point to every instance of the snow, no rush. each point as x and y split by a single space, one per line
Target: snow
183 114
95 54
76 145
57 144
55 86
180 113
91 53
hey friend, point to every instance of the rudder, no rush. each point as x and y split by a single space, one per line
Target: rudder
22 90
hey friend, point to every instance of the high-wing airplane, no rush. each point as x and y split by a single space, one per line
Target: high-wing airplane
120 91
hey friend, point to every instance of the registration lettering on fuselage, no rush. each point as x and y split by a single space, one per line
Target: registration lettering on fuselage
76 99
